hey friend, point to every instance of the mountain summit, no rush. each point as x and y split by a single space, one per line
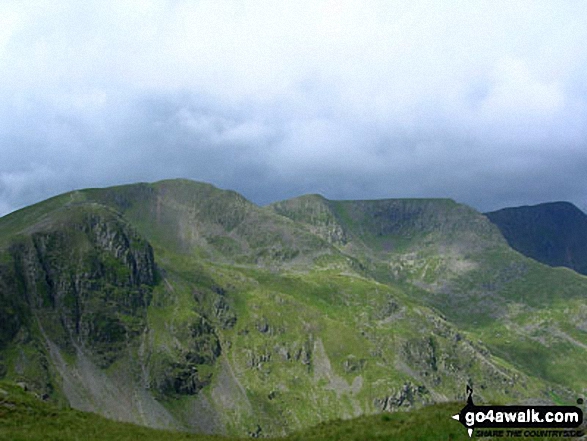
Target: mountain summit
553 233
180 305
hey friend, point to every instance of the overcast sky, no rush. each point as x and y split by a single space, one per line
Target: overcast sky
484 102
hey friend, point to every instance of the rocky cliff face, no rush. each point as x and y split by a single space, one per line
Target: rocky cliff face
86 278
178 305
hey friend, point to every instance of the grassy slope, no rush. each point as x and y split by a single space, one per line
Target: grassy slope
359 285
451 258
25 417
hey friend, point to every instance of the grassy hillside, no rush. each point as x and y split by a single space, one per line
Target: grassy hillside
25 417
181 306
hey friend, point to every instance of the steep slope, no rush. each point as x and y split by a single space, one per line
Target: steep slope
180 305
452 258
554 233
196 218
25 417
445 250
429 240
76 286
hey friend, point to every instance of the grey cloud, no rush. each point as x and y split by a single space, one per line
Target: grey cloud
381 100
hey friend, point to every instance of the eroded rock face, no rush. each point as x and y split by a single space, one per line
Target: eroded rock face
185 374
88 280
405 397
258 322
13 309
126 246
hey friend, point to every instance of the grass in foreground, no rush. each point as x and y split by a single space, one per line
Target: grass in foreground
25 417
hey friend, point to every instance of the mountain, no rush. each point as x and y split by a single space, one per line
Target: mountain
182 306
553 233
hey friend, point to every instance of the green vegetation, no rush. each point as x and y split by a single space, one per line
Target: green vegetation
25 417
182 306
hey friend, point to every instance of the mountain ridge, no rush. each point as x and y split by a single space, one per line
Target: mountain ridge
276 317
554 233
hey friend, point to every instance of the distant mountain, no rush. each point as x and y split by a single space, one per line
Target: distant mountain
182 306
553 233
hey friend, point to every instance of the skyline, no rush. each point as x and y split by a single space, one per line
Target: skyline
482 102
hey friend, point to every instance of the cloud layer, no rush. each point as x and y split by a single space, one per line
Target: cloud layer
484 102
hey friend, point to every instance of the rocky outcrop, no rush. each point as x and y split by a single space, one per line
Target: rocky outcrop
13 309
186 374
271 319
408 395
317 215
87 277
125 246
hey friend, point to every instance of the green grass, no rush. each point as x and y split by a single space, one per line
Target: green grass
431 423
23 417
372 282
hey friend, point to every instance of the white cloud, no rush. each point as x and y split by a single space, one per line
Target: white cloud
516 91
353 97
